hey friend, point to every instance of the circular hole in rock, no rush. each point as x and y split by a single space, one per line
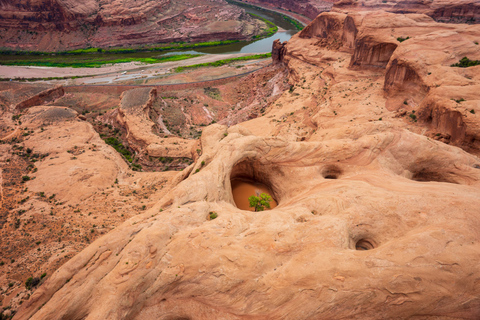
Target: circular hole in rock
250 178
331 172
365 244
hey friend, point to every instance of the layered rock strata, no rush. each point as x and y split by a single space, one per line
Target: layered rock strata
64 24
463 11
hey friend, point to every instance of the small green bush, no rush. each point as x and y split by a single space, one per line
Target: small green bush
261 202
32 282
465 63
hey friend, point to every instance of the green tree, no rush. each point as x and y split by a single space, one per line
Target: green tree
260 202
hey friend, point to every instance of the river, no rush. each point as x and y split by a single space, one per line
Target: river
259 46
245 47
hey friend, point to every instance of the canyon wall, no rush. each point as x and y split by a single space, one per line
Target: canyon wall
308 8
63 24
463 11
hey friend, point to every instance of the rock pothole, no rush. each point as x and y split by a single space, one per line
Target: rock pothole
247 179
426 175
332 172
365 244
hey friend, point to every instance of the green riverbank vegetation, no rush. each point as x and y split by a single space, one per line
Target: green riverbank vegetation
89 61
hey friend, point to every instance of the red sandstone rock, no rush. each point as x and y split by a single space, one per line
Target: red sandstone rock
308 8
463 11
65 24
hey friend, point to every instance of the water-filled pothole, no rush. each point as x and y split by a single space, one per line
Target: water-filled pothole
242 189
365 244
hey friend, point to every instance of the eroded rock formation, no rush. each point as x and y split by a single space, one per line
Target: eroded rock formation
64 24
372 157
308 8
463 11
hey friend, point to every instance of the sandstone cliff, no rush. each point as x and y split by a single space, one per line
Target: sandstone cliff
65 24
464 11
308 8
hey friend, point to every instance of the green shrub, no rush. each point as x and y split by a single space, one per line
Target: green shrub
261 202
119 147
32 283
400 39
465 63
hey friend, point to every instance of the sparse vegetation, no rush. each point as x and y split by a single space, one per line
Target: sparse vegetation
212 215
465 63
120 148
294 22
32 283
272 28
401 39
261 202
89 61
153 48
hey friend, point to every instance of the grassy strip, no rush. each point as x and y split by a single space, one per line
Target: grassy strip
465 63
298 25
294 22
223 62
272 28
53 62
43 79
165 47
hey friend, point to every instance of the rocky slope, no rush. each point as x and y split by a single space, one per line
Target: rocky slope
308 8
64 24
463 11
372 157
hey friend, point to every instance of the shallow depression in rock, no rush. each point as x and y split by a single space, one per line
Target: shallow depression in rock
243 188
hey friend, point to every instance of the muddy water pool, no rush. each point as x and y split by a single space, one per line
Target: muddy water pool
243 189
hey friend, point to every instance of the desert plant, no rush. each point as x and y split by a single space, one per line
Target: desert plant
465 63
261 202
31 283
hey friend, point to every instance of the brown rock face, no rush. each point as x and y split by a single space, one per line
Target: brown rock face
65 24
308 8
278 51
464 11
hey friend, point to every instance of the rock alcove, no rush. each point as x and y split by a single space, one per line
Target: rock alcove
249 178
